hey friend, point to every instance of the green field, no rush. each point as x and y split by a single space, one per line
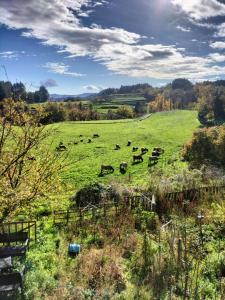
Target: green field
169 130
127 99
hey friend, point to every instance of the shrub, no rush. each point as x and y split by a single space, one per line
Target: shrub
145 219
207 144
95 194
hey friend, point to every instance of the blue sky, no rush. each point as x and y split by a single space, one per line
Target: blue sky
76 46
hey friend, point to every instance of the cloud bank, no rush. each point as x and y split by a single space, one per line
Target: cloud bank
58 23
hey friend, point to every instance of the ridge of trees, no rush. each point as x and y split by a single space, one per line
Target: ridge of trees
126 89
207 97
18 91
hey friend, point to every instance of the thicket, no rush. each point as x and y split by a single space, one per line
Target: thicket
69 111
132 254
95 194
211 104
206 147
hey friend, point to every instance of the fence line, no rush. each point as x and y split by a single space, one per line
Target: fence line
132 202
85 213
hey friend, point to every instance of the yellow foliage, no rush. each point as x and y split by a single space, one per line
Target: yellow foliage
160 104
28 167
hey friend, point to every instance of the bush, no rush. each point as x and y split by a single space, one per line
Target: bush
207 144
145 219
95 194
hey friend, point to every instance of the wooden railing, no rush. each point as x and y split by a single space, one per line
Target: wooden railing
25 226
85 213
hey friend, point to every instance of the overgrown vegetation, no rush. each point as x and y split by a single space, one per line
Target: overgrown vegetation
206 147
28 167
145 243
132 254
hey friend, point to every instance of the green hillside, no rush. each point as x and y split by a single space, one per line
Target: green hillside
169 130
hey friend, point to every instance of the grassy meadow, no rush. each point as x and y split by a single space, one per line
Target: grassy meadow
169 130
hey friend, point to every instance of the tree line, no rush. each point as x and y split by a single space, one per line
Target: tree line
18 91
207 97
79 111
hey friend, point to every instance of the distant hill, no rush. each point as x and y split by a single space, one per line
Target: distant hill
127 89
58 97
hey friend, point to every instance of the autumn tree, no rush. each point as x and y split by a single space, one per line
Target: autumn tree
125 111
206 145
29 167
211 104
160 104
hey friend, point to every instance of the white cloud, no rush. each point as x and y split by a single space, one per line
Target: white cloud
220 30
181 28
121 51
217 57
163 63
93 88
218 45
201 9
11 54
55 24
60 68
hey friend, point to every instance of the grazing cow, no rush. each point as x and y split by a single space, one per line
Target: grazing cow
129 143
61 148
75 143
96 135
32 158
107 169
89 140
155 153
135 149
123 167
117 147
81 135
160 150
144 150
81 141
153 160
137 158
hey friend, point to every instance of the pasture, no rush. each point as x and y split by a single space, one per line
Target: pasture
169 130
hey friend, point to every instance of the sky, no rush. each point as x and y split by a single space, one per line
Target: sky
79 46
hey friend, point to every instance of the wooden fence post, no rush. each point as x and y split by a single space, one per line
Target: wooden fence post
67 216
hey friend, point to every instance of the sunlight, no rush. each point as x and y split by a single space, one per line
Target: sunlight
112 149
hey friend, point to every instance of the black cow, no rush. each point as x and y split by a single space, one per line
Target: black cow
144 150
61 148
32 158
155 153
137 158
123 167
107 168
158 149
153 160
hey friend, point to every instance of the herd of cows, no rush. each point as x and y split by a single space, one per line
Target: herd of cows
152 160
105 169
